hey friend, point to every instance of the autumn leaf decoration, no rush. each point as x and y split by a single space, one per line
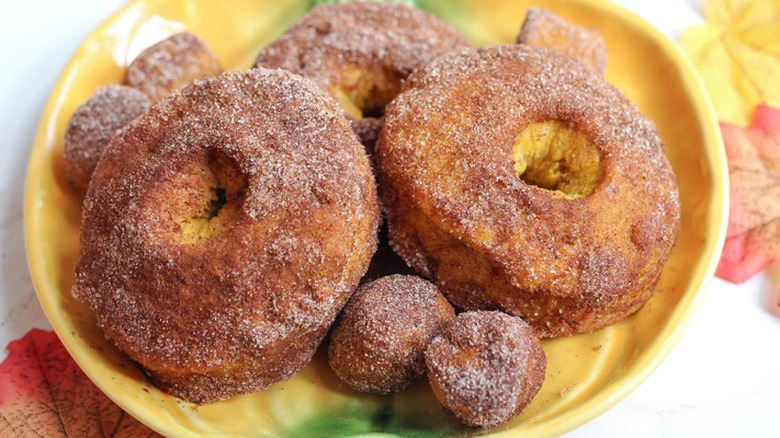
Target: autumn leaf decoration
737 52
43 393
753 237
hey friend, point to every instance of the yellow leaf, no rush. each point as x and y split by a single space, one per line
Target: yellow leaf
737 52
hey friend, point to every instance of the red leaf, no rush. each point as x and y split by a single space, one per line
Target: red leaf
43 393
753 237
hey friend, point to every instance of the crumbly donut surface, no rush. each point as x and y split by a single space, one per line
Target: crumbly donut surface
379 341
224 230
486 367
566 261
361 51
171 64
93 124
542 28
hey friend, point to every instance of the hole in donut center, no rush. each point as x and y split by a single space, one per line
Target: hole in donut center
552 156
364 92
215 190
216 203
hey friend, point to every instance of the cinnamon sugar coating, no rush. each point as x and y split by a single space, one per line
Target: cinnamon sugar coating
486 367
458 212
171 64
379 341
224 230
361 51
93 124
542 28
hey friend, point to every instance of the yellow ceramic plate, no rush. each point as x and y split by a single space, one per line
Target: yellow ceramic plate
585 375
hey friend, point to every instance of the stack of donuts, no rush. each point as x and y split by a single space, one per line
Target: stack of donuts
231 220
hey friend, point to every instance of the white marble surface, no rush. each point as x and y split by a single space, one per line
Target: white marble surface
723 378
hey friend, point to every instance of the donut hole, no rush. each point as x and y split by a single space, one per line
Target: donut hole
364 92
217 192
216 203
552 156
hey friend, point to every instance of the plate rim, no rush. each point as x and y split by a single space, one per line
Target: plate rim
674 326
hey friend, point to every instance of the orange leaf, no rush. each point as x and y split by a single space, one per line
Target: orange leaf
43 393
737 52
753 237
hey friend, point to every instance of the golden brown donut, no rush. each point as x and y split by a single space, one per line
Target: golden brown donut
486 367
93 124
224 230
521 181
379 341
171 64
361 52
542 28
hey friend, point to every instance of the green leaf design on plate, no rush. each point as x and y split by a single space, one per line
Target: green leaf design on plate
382 422
413 413
456 12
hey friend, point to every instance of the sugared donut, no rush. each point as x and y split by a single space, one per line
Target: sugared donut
521 181
486 367
542 28
224 230
93 124
361 52
171 64
379 341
